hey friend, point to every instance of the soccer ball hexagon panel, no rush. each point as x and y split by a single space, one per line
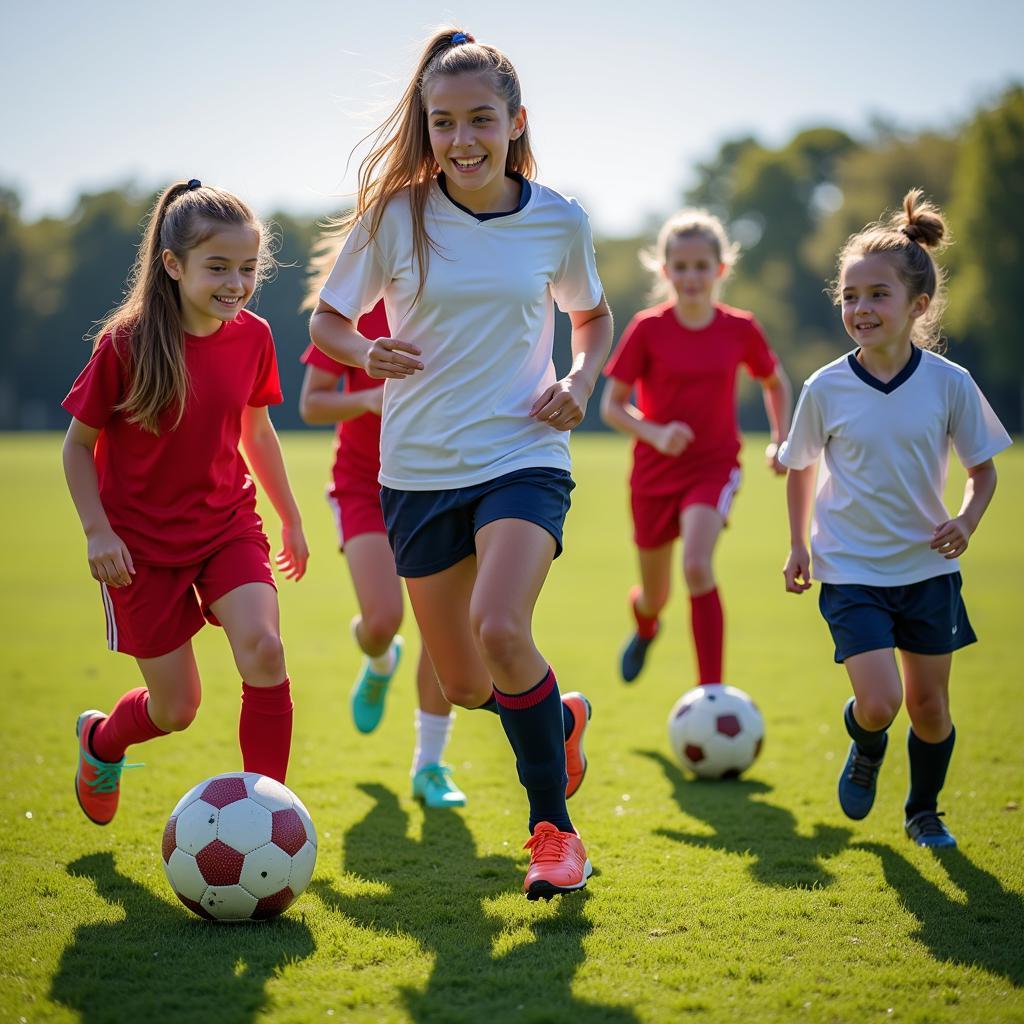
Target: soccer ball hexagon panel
239 847
716 731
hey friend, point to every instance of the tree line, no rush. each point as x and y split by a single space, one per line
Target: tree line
790 207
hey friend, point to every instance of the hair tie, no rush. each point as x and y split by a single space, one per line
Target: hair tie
459 37
193 184
911 232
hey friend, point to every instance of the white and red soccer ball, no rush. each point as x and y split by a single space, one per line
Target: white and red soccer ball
239 847
716 731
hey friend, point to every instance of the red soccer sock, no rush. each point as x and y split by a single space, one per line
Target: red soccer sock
265 729
646 625
128 723
708 632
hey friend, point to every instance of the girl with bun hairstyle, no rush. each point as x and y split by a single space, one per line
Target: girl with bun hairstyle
883 545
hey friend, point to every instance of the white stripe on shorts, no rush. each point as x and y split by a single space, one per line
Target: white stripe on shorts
728 493
108 608
336 509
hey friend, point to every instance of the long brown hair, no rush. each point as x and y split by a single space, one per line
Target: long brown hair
146 327
908 238
401 158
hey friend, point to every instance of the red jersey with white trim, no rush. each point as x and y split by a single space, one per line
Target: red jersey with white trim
176 497
357 441
690 376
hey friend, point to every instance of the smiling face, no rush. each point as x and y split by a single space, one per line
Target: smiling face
878 312
693 268
470 129
216 278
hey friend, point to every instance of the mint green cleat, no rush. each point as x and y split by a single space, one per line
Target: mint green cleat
371 690
432 785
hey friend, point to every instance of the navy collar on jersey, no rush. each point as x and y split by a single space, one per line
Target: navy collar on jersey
524 198
886 387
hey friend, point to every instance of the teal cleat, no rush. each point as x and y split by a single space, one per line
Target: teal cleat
371 690
432 785
926 829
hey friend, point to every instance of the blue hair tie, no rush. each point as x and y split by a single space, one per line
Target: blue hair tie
459 37
193 184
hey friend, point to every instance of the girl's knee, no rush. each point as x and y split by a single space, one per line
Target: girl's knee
175 715
377 628
698 574
876 711
264 655
929 711
501 638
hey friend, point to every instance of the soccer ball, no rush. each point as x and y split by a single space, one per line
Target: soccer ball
239 847
716 731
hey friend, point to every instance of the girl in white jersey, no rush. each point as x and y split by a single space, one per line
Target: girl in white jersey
884 547
469 255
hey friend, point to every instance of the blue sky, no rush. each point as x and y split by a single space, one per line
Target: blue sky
268 99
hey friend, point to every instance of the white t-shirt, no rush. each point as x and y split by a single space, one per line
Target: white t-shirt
886 453
485 324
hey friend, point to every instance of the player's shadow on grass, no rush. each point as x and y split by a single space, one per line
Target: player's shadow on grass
987 931
745 825
438 886
159 963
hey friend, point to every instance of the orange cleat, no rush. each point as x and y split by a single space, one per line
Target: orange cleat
575 759
97 783
558 863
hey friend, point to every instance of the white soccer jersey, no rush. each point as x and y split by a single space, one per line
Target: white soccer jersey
485 324
886 453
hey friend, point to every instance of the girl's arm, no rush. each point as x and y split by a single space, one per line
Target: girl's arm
950 538
799 501
321 402
110 561
564 404
619 412
263 450
778 403
337 336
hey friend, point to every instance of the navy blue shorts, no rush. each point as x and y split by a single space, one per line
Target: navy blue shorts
922 618
430 531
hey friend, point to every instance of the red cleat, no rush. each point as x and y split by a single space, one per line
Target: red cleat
575 759
558 863
97 783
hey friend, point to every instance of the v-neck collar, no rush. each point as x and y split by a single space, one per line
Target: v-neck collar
889 386
524 198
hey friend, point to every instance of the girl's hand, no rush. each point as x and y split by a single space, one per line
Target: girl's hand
110 561
673 438
294 554
374 399
386 358
797 570
771 458
950 538
563 405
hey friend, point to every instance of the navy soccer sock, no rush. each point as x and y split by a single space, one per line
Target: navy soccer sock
928 764
488 705
568 718
870 744
535 726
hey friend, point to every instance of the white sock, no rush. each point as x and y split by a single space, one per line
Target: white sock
383 664
432 732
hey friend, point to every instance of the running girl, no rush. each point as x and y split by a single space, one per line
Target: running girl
468 253
884 547
180 373
681 357
354 495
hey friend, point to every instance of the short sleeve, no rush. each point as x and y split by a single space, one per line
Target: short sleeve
322 361
807 434
266 388
758 357
629 360
576 285
99 388
974 428
358 278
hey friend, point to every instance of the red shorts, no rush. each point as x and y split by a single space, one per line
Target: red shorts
656 518
166 605
356 510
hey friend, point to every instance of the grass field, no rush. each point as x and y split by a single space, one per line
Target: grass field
750 900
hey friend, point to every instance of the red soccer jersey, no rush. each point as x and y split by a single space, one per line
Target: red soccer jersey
176 497
357 443
687 375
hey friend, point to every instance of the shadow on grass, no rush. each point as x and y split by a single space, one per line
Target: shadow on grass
438 886
160 963
745 825
987 932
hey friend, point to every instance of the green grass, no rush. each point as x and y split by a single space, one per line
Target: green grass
711 902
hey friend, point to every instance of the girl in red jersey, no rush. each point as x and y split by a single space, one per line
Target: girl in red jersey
180 373
354 495
681 356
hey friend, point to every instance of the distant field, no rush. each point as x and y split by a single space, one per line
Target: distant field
752 900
